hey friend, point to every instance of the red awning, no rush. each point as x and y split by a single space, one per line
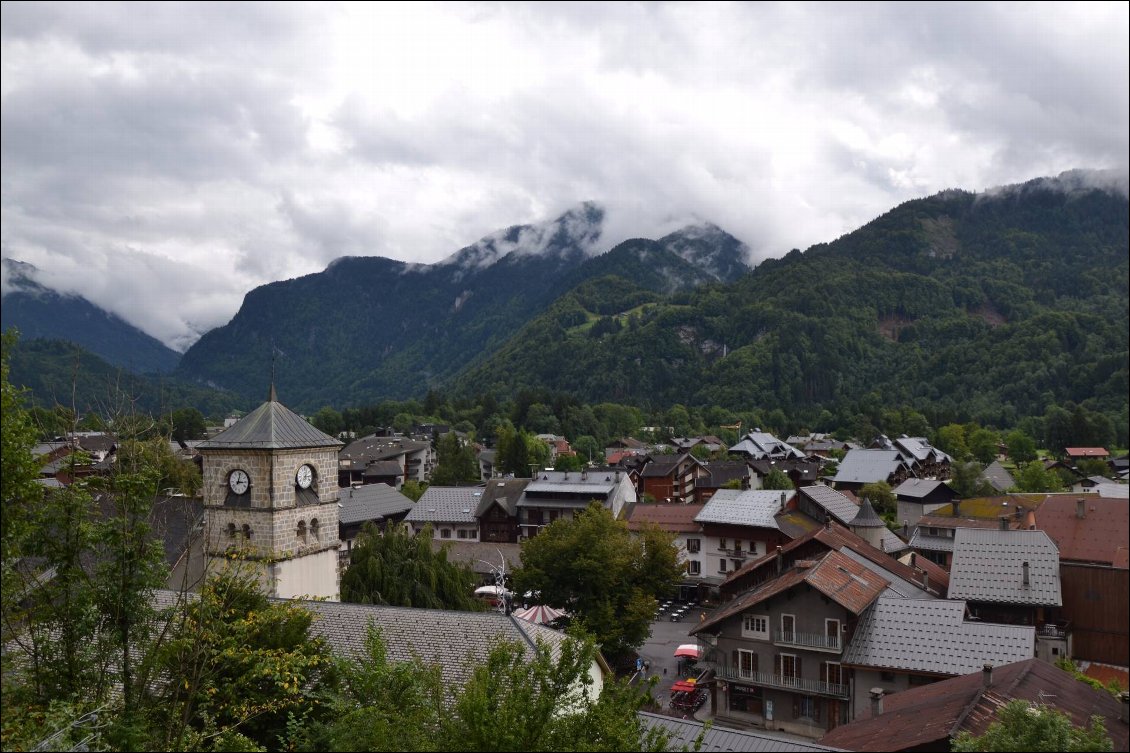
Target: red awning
682 686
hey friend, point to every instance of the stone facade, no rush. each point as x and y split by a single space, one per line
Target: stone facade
284 528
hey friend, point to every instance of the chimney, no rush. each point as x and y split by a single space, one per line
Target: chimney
987 672
876 702
779 559
925 581
784 496
1004 522
956 506
1027 582
1080 508
906 535
913 555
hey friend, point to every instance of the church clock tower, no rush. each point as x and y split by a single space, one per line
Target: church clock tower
271 498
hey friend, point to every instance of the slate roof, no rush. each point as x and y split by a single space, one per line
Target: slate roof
1112 490
922 540
481 556
271 426
987 566
722 471
917 488
1101 535
742 508
919 449
446 504
506 492
361 452
939 576
919 635
457 641
760 444
384 468
371 502
996 475
924 716
867 517
867 466
684 732
674 518
835 503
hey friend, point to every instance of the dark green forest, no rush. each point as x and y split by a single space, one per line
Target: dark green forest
961 307
1006 310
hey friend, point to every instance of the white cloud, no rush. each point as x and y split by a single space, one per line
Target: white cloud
163 159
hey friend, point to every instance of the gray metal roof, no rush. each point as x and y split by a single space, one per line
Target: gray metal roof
599 487
683 733
867 517
271 426
867 466
446 504
996 475
922 540
456 641
988 566
891 542
760 444
839 506
371 502
749 508
933 636
916 488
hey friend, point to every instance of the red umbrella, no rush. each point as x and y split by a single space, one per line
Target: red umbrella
689 650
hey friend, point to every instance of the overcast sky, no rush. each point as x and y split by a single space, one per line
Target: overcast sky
164 159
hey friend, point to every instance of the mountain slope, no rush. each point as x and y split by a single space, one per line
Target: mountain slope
60 372
988 306
369 328
41 313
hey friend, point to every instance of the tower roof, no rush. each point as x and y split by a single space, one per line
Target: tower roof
867 518
271 426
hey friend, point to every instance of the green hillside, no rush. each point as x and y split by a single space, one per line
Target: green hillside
967 307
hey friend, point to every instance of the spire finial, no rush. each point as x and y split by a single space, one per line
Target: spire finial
271 396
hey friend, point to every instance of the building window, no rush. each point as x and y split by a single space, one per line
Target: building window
887 676
755 626
722 565
231 531
246 532
721 543
808 708
694 545
788 627
753 548
694 568
747 663
445 533
832 673
314 529
302 531
462 533
832 633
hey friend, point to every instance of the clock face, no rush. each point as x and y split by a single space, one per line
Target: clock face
239 482
304 477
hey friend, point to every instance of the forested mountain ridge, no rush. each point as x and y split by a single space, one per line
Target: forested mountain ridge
987 307
369 328
40 313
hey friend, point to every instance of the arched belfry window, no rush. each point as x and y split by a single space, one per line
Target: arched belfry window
314 529
246 532
231 531
301 533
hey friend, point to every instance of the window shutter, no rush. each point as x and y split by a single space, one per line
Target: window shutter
734 658
777 664
823 671
796 707
755 662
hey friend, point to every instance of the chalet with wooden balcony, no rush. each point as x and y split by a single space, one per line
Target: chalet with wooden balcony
671 478
777 649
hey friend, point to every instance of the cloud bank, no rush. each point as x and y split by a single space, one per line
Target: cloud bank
164 159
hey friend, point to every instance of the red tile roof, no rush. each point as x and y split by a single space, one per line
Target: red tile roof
1086 452
674 518
837 576
932 713
1101 535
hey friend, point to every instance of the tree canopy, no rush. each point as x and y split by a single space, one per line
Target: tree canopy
606 578
1023 726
